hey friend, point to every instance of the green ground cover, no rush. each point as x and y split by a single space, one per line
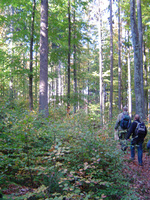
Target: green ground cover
59 157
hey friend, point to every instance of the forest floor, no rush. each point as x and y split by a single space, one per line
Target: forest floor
139 175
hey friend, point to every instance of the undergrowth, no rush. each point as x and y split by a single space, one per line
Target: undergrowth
59 157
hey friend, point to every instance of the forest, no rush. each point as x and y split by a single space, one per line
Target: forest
67 69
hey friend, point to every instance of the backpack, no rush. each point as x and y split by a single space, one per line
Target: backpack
140 132
125 122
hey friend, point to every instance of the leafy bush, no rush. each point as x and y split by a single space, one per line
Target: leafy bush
60 157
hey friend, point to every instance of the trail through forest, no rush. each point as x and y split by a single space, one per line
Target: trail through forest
139 175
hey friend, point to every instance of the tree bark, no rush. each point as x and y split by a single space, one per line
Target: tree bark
36 78
100 66
43 86
111 63
129 81
119 58
148 89
139 14
75 63
137 61
69 50
31 59
145 81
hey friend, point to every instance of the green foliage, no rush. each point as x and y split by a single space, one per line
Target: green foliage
62 157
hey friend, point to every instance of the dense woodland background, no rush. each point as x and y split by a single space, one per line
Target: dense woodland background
90 54
67 68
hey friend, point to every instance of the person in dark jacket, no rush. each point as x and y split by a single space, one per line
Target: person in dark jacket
139 143
121 132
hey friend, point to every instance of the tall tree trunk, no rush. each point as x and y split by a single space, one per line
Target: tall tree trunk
11 84
100 66
119 58
69 52
43 86
57 83
148 89
139 14
24 79
111 63
88 85
31 59
137 61
145 83
36 78
129 81
79 87
75 63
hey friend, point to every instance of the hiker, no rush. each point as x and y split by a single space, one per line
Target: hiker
136 141
122 131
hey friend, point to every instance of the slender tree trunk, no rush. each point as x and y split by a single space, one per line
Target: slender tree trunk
57 83
137 61
111 64
52 86
69 52
139 14
24 79
100 66
11 84
129 81
75 81
88 97
36 79
79 87
149 89
145 83
119 58
31 59
62 88
43 87
75 64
